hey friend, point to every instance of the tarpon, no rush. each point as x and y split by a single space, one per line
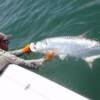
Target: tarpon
72 46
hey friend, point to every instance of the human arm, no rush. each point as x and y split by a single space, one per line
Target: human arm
34 63
7 58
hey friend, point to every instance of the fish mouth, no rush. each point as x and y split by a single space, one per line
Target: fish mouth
33 47
37 47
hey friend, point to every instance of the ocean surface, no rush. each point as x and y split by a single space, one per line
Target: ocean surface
33 20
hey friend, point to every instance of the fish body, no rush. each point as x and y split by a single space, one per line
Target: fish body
78 47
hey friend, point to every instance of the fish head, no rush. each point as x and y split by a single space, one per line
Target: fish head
33 47
38 47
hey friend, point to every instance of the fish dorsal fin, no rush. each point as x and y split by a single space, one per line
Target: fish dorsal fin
84 34
91 59
62 57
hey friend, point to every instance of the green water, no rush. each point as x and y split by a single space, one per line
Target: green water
32 20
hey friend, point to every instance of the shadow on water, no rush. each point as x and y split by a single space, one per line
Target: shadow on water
33 20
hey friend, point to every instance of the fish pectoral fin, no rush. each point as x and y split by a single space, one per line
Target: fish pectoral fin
62 57
91 59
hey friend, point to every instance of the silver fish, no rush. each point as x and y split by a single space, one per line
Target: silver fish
78 47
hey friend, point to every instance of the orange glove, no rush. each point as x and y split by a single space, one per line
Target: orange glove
49 55
26 49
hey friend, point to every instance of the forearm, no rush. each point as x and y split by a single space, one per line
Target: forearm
17 52
29 63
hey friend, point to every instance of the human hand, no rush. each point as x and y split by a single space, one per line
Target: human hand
26 49
49 55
